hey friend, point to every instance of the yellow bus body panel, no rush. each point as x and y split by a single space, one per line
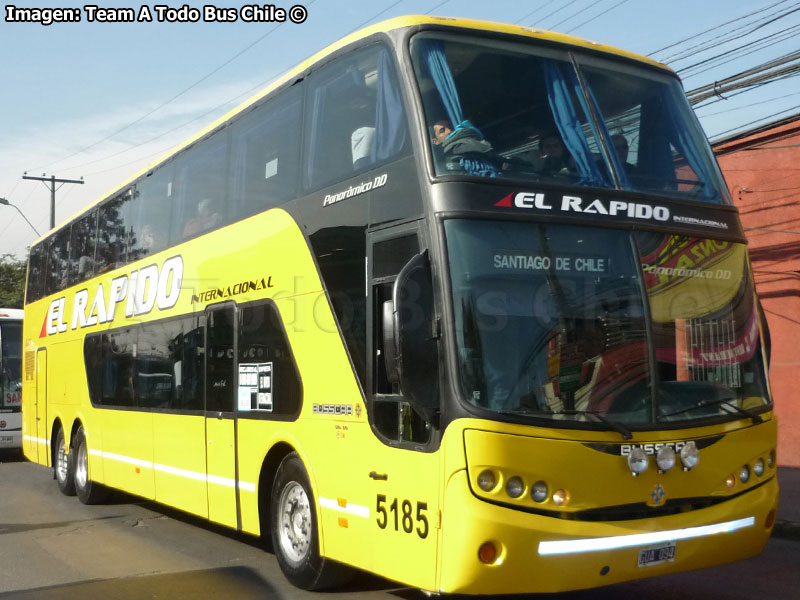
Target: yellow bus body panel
567 460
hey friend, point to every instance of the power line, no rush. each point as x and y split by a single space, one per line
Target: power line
558 10
738 53
745 48
758 74
533 12
602 14
572 16
756 121
175 97
716 27
731 36
728 110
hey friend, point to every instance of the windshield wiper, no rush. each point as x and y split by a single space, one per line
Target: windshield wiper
600 417
729 402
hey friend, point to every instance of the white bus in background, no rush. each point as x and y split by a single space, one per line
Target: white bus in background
10 378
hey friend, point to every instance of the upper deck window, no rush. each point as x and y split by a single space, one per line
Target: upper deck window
355 115
519 111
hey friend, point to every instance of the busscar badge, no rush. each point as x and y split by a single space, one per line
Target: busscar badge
658 495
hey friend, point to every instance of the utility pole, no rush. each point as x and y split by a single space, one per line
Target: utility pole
52 180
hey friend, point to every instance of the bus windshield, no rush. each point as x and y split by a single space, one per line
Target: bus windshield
10 363
558 321
519 111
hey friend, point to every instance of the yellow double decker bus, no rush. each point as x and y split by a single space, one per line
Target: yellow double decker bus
463 304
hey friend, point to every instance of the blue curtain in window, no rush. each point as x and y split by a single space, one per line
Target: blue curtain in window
434 57
390 124
559 81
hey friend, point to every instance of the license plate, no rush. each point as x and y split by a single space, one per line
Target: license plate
6 439
655 555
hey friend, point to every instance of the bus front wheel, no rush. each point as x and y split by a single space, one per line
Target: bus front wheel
89 492
64 466
294 530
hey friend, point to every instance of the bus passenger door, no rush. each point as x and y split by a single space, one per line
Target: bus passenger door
39 430
220 416
404 466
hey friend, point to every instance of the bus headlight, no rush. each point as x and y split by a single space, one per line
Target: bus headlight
638 461
771 459
514 487
539 491
758 467
665 459
486 480
744 474
689 456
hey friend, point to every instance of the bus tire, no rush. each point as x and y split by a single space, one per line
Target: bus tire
64 465
294 533
89 492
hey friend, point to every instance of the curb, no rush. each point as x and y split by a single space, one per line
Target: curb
788 530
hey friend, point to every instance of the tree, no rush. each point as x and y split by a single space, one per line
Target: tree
12 281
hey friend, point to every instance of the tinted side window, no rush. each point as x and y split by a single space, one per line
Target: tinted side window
268 380
220 361
356 117
156 380
156 365
112 242
119 368
82 244
148 226
37 267
266 154
58 261
201 197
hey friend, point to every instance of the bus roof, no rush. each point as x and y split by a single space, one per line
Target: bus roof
14 314
382 26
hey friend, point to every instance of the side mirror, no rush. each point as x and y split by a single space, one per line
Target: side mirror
416 361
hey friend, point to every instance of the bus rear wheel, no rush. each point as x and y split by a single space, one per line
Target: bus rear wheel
89 492
294 530
64 465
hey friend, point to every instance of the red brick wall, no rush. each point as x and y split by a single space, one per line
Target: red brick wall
763 175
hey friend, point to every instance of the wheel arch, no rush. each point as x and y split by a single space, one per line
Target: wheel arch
269 468
56 425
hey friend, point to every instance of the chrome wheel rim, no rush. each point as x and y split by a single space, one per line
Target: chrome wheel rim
61 460
294 522
81 467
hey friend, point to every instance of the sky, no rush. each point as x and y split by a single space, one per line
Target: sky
101 100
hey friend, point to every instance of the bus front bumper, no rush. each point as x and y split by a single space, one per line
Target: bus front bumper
539 554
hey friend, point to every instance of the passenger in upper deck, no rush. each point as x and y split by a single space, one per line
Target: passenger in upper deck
206 219
465 149
621 147
553 157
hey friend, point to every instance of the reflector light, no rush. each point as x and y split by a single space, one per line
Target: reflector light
770 520
487 553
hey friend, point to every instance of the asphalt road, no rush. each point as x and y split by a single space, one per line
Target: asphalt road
54 548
